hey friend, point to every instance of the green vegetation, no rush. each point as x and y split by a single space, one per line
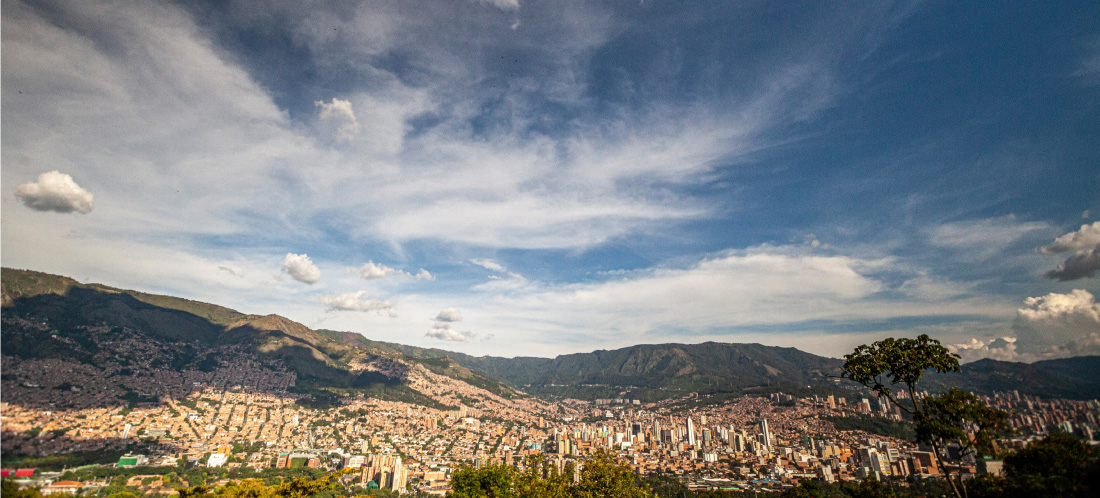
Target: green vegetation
601 476
874 425
66 460
890 365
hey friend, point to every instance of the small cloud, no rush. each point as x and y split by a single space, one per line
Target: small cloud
229 270
357 301
1085 262
812 241
489 264
301 268
424 275
449 315
1085 214
372 271
55 191
444 332
507 5
340 111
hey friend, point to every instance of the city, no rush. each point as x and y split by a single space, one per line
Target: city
232 418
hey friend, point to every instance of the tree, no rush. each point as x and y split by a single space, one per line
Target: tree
494 481
949 416
604 477
1058 465
542 478
9 488
955 416
600 477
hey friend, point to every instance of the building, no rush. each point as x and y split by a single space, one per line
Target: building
217 460
768 440
62 487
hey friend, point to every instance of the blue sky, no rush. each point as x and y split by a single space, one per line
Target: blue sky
535 178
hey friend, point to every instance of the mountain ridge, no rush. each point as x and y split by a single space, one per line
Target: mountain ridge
646 371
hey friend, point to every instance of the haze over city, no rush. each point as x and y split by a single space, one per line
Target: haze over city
536 178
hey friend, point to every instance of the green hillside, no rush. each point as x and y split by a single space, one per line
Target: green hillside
323 358
183 330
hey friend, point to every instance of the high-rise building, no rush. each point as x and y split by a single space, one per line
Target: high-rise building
768 440
691 432
386 471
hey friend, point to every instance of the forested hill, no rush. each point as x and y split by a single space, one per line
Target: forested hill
649 371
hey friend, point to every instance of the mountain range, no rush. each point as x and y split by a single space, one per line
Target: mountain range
48 316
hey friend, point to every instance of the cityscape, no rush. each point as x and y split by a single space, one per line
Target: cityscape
244 414
549 249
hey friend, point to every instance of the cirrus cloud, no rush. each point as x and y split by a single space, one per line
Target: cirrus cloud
55 191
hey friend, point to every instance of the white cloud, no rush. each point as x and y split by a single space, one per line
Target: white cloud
443 331
301 268
999 348
984 238
55 191
489 264
449 315
372 271
751 288
424 275
1088 237
1050 326
510 281
509 5
340 111
357 301
1063 309
1085 262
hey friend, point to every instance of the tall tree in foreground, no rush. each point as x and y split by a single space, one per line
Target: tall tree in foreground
953 417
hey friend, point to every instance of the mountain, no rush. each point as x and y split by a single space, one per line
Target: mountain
1073 378
48 316
654 371
123 335
1082 367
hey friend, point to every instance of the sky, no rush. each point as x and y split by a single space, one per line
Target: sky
512 177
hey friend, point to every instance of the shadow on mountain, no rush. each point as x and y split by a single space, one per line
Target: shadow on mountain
1070 378
90 347
54 452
